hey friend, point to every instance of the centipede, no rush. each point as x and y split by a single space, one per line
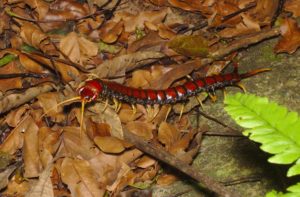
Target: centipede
97 88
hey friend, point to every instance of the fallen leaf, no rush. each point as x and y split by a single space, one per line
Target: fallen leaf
142 129
43 187
293 6
32 163
80 178
14 117
167 134
192 45
290 40
166 179
111 31
4 175
109 144
7 84
145 162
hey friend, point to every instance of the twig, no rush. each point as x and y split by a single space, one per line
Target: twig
22 75
245 42
162 155
15 100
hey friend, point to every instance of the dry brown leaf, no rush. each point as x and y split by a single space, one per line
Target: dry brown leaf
293 6
32 163
142 129
145 162
72 138
80 178
15 116
126 114
167 134
111 31
165 32
109 144
166 179
188 5
30 65
78 49
7 84
290 40
33 36
178 148
134 21
140 79
43 187
16 188
15 139
247 26
68 73
41 7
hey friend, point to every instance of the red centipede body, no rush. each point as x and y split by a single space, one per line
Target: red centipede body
108 90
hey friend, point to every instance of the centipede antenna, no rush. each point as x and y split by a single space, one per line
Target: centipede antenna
77 98
81 117
254 72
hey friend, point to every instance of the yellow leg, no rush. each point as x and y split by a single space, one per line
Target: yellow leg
224 93
105 106
242 87
181 112
190 77
116 103
212 97
199 101
133 111
169 110
119 107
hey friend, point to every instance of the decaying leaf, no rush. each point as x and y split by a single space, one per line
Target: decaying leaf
167 134
142 129
194 45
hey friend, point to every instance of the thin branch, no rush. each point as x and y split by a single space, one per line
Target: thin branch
162 155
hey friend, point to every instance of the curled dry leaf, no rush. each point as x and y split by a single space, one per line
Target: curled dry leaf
142 129
33 36
188 5
109 144
126 114
80 178
17 188
32 163
290 40
15 116
168 134
41 7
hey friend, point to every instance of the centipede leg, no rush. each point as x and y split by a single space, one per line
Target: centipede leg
212 96
168 112
117 105
199 101
133 111
241 86
105 106
181 111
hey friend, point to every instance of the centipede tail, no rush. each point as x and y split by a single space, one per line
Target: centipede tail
109 90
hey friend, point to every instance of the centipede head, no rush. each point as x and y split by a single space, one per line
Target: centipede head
90 91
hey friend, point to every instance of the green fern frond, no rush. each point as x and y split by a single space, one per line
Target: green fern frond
269 124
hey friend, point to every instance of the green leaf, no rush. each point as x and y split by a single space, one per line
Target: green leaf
6 59
274 127
191 45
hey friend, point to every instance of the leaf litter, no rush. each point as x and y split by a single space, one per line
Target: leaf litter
143 44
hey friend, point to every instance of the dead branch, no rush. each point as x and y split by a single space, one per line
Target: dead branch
14 100
171 160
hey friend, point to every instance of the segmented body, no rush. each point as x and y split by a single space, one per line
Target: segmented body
106 89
